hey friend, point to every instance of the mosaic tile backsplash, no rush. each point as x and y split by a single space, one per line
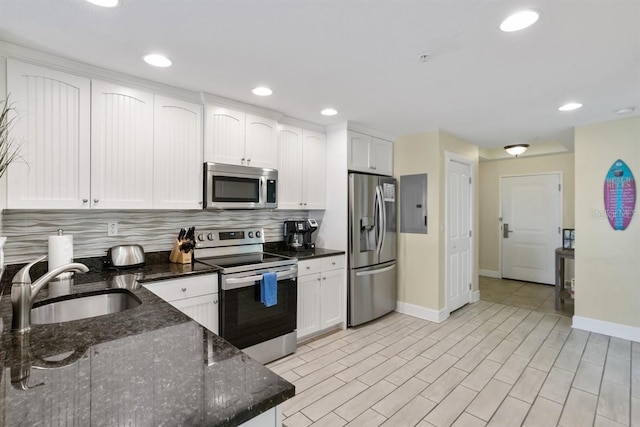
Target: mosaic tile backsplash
27 231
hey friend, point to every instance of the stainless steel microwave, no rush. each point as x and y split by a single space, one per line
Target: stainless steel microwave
239 187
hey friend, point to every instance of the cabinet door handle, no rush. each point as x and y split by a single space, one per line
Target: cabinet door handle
324 278
242 160
184 289
96 200
248 161
318 279
85 200
308 267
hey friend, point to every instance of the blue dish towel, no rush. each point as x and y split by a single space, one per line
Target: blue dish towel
269 289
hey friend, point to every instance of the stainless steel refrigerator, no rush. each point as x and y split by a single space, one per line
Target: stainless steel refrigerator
372 247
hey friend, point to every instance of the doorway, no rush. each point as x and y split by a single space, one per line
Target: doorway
458 220
531 213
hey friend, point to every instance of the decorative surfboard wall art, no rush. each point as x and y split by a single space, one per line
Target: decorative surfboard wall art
619 195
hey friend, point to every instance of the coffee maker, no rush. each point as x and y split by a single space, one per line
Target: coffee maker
297 234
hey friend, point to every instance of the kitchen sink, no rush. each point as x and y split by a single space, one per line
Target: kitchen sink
83 306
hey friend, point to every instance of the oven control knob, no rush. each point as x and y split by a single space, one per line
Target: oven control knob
258 234
201 237
210 236
251 234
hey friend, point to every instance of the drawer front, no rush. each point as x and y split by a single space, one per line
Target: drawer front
310 266
332 263
176 289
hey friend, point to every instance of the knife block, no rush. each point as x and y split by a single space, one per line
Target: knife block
179 257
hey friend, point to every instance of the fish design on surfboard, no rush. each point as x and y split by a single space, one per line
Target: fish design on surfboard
619 195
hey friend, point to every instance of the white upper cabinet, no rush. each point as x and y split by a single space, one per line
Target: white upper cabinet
384 156
301 169
224 135
121 147
177 154
261 144
53 128
359 154
369 154
314 170
289 168
239 138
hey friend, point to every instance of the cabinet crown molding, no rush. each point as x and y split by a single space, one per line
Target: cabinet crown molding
356 127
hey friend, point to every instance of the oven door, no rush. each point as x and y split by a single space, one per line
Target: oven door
244 320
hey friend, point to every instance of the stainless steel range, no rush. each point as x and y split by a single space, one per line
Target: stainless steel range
264 333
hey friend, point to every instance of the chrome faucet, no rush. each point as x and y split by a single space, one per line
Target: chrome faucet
23 292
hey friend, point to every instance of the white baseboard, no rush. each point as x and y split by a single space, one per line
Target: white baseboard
490 273
475 296
617 330
422 312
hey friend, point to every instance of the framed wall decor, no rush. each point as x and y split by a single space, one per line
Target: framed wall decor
568 238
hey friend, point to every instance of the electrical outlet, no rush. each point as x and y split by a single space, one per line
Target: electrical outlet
112 228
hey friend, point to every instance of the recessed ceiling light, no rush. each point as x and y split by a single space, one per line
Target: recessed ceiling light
105 3
519 21
570 106
626 110
329 112
157 60
262 91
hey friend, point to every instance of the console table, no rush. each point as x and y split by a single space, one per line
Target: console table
561 255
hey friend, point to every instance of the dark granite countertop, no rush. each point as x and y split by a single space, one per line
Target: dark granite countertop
149 365
279 249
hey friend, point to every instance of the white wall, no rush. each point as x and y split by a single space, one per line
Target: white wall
606 261
421 257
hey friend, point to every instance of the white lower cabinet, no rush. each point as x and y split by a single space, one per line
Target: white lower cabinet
321 295
269 418
203 310
197 297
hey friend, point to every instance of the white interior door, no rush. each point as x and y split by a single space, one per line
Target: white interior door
459 214
531 213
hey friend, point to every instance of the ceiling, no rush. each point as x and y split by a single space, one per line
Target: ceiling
361 57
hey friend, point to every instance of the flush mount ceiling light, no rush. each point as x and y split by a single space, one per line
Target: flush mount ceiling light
105 3
516 149
570 106
262 91
329 112
519 21
157 60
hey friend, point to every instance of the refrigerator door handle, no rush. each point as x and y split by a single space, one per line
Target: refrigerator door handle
383 218
379 230
371 272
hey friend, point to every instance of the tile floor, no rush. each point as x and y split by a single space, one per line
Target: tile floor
533 296
493 364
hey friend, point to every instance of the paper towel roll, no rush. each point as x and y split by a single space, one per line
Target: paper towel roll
60 252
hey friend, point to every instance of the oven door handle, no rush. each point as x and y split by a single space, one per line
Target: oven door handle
243 282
